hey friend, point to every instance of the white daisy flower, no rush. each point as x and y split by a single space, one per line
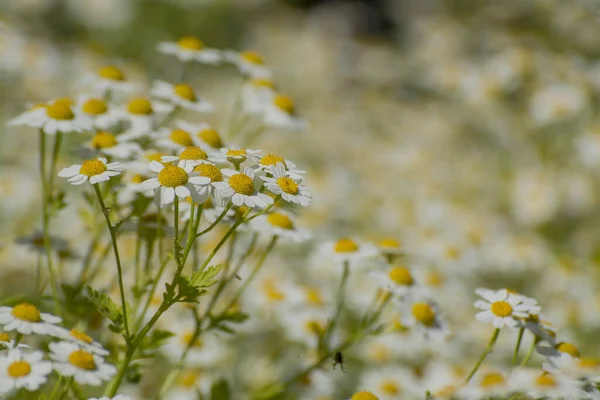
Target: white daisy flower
242 188
390 247
181 95
208 137
189 48
281 113
33 117
111 145
8 343
58 116
291 189
425 316
560 356
541 384
142 115
489 384
98 112
82 339
26 318
363 395
189 383
109 78
391 383
249 63
173 181
347 249
85 367
280 223
204 350
268 161
237 155
501 308
95 170
19 370
173 139
256 94
305 325
398 279
189 157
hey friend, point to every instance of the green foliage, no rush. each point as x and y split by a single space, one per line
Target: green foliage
155 339
220 321
107 307
220 390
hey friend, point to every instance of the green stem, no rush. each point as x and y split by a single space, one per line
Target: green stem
487 351
57 386
216 222
112 389
529 353
518 346
341 294
113 237
55 152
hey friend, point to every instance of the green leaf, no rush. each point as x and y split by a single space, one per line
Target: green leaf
221 321
220 390
155 339
188 293
275 391
205 279
107 307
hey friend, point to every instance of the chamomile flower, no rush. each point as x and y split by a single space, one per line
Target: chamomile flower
33 117
398 279
189 383
242 189
291 189
424 315
172 181
485 385
59 116
85 367
142 114
81 339
237 155
305 325
249 63
501 308
266 162
109 78
181 95
94 170
560 355
173 139
391 383
190 157
97 111
541 384
20 370
348 250
280 223
363 395
207 135
112 145
206 349
390 247
26 318
281 113
189 48
7 343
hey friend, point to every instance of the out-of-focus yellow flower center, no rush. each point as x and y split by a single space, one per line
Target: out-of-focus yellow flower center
389 243
389 387
501 309
262 82
568 348
19 369
252 57
453 253
380 353
77 334
434 279
272 292
188 339
60 111
172 176
94 107
446 391
271 159
188 378
4 337
82 359
492 379
586 362
211 137
111 72
103 140
364 396
26 312
181 137
423 313
287 185
313 296
280 220
138 178
190 43
345 246
284 103
209 171
185 92
193 153
545 379
154 156
315 327
242 184
236 152
140 106
401 276
92 168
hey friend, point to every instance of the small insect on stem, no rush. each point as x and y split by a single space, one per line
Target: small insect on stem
338 358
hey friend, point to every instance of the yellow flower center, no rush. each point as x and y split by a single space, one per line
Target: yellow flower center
492 379
423 313
313 296
287 185
4 337
364 396
236 152
26 312
262 82
284 103
434 279
94 107
501 309
345 246
181 137
242 184
193 153
19 369
103 140
568 348
389 243
111 72
138 178
272 292
188 339
172 176
453 253
82 359
154 156
210 171
271 159
280 220
211 137
252 57
188 378
77 334
584 362
545 379
401 276
92 168
315 327
389 387
140 106
60 111
190 43
185 92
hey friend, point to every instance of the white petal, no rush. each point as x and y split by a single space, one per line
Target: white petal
182 191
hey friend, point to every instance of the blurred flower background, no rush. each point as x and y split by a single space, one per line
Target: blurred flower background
466 131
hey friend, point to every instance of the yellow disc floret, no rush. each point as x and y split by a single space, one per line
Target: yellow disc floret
4 337
501 309
568 348
94 107
193 153
26 312
211 137
280 220
188 338
545 379
252 57
345 246
79 335
82 359
492 379
60 111
284 103
185 92
364 396
272 159
236 153
92 168
390 387
287 185
172 176
423 313
190 43
389 244
188 378
242 184
315 327
19 369
401 276
111 72
181 137
262 82
140 106
103 140
210 171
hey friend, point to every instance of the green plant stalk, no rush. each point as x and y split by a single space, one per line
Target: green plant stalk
112 389
216 222
518 345
55 152
341 294
487 351
529 353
